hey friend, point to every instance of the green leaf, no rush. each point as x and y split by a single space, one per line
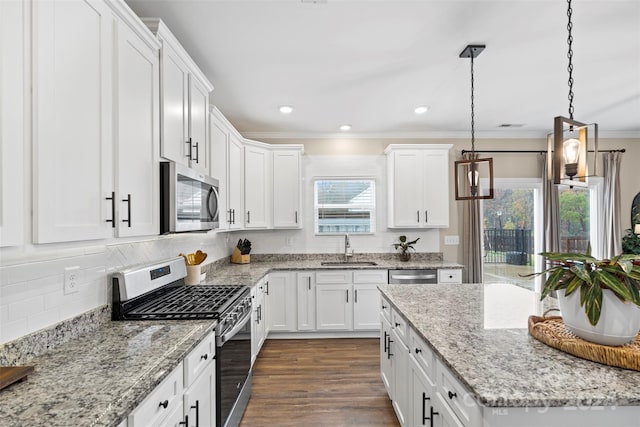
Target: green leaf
580 271
593 304
573 285
552 282
614 283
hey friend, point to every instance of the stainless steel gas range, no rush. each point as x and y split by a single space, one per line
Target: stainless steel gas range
157 292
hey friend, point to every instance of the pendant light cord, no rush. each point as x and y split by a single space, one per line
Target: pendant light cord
569 55
473 136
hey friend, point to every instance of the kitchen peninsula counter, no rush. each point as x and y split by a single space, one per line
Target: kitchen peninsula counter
479 333
99 378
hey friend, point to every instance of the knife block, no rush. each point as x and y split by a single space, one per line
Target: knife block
238 258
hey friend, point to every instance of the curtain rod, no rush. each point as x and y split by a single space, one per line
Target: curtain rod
620 150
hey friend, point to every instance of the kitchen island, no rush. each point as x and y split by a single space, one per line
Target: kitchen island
478 334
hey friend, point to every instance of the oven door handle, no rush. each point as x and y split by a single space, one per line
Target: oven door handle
227 335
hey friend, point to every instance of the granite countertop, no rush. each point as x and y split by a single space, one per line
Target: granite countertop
249 274
480 333
99 378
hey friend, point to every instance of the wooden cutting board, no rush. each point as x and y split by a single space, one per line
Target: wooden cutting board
10 375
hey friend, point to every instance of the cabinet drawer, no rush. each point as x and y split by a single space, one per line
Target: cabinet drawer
161 402
450 275
198 360
385 308
423 354
399 324
457 397
370 276
333 277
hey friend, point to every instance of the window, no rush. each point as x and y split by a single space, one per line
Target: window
344 206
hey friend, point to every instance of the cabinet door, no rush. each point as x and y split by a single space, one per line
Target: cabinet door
406 188
436 188
287 186
161 402
366 304
199 402
400 365
256 187
12 121
306 301
137 135
72 122
422 398
198 113
281 301
175 89
334 307
235 199
445 416
386 371
218 153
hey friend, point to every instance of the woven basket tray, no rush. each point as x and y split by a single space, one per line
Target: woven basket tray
551 331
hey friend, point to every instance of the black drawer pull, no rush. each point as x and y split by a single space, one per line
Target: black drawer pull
418 350
397 324
452 395
164 404
204 356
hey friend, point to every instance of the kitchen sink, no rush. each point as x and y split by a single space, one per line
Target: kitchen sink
347 263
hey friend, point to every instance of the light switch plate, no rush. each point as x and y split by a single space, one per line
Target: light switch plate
451 240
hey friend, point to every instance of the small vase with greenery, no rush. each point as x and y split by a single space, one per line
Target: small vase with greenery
592 285
404 247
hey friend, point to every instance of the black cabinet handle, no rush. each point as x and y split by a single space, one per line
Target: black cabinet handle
204 356
233 220
385 341
260 312
248 217
185 422
347 295
128 220
426 216
418 350
189 154
424 408
197 408
197 159
389 354
164 404
452 395
355 296
397 324
267 288
384 307
113 209
430 417
418 214
309 282
296 217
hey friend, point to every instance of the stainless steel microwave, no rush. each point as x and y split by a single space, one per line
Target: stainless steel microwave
188 199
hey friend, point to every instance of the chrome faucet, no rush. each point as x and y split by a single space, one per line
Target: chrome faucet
348 252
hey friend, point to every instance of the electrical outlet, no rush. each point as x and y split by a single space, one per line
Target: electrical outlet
71 277
288 241
451 240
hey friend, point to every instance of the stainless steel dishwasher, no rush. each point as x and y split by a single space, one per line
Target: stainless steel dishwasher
413 277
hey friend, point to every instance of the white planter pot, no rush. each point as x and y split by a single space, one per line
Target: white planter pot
619 322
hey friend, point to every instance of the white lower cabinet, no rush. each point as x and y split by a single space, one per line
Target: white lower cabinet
306 287
334 307
366 300
385 357
280 292
258 318
186 397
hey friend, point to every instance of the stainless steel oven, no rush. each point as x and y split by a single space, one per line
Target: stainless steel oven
233 370
157 292
188 199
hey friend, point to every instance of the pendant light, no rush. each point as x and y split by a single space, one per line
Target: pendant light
569 144
469 173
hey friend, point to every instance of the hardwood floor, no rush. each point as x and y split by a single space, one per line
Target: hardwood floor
319 382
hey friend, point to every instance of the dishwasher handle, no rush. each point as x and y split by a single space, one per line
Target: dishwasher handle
413 276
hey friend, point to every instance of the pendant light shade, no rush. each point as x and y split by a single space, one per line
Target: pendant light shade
571 140
473 176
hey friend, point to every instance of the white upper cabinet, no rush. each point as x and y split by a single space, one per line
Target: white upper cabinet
220 134
72 122
235 199
287 188
13 49
418 185
137 109
95 122
257 185
184 94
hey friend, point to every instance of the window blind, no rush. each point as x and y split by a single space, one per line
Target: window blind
344 206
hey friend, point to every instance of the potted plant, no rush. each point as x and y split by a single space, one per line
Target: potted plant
404 247
631 243
599 299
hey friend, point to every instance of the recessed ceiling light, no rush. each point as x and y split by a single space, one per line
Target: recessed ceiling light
286 109
421 109
345 128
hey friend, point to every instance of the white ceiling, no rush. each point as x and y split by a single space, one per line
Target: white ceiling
370 63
